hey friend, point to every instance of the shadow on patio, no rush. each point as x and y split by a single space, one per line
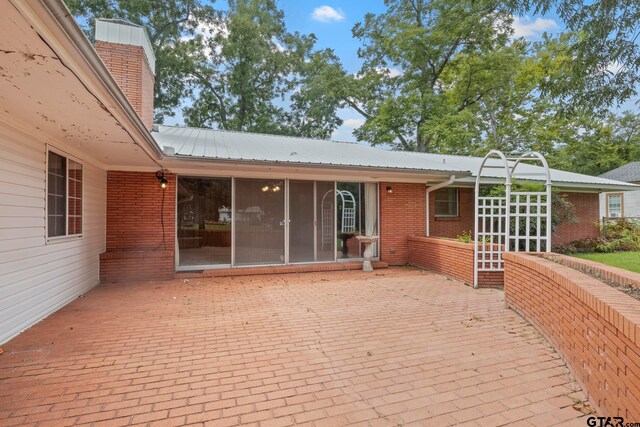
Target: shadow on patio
398 346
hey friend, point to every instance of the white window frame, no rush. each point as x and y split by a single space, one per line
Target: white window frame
65 237
621 195
435 201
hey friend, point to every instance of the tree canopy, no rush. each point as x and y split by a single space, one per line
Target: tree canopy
443 76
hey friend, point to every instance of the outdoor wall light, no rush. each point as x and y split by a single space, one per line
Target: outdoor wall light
389 190
162 178
265 188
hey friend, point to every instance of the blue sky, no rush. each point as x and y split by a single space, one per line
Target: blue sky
332 23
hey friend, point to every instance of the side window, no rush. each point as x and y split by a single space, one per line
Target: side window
64 196
446 202
614 205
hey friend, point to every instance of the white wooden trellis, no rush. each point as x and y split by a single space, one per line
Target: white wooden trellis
518 221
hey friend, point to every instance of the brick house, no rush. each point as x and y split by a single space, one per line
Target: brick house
92 191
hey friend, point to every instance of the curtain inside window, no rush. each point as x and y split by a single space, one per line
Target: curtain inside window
371 211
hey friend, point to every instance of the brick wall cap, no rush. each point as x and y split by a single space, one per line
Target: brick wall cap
602 298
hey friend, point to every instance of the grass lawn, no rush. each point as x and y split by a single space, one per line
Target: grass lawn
627 260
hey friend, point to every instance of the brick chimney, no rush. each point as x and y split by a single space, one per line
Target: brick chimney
126 50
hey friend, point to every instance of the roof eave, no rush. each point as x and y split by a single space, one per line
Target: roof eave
57 27
194 159
565 185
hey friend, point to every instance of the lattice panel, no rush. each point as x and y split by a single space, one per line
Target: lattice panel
528 222
492 233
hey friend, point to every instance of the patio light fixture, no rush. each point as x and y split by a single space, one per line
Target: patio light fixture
162 178
268 188
389 190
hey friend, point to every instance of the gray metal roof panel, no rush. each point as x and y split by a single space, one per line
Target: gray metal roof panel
240 146
253 147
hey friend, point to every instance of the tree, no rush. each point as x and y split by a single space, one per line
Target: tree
516 116
253 75
425 63
601 145
605 67
167 22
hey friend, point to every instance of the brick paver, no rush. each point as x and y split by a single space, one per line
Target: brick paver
393 347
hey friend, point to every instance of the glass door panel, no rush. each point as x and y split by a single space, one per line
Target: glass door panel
259 221
357 214
301 221
325 221
204 221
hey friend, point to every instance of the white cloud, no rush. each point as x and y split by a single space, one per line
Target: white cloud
327 14
614 67
529 27
391 72
353 123
207 31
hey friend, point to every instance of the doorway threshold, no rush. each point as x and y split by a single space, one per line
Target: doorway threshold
278 269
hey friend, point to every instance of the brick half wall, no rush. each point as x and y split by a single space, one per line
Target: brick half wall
594 327
136 218
450 258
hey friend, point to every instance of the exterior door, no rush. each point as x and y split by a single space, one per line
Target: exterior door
259 215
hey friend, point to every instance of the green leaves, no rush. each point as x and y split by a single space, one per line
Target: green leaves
259 77
167 22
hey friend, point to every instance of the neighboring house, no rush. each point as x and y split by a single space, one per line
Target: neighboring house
92 191
617 204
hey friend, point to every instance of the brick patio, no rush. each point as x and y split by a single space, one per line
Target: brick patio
395 347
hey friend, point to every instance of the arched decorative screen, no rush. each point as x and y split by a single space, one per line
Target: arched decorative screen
508 217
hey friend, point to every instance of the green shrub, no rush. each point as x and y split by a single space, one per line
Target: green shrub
465 237
621 235
567 249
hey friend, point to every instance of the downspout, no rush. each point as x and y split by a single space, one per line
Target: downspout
443 184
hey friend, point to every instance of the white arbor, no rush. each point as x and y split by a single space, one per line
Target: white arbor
517 221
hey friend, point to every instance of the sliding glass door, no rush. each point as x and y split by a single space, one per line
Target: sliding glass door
240 222
311 218
204 221
259 216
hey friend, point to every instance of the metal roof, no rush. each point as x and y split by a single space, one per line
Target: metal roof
209 144
627 173
253 147
558 177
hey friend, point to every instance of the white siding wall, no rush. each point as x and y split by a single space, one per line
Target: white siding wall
632 203
36 277
631 200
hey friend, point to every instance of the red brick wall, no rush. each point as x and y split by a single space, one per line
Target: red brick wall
451 258
402 214
595 328
135 248
130 69
587 206
453 227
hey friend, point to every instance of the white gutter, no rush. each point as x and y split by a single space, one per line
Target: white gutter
443 184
